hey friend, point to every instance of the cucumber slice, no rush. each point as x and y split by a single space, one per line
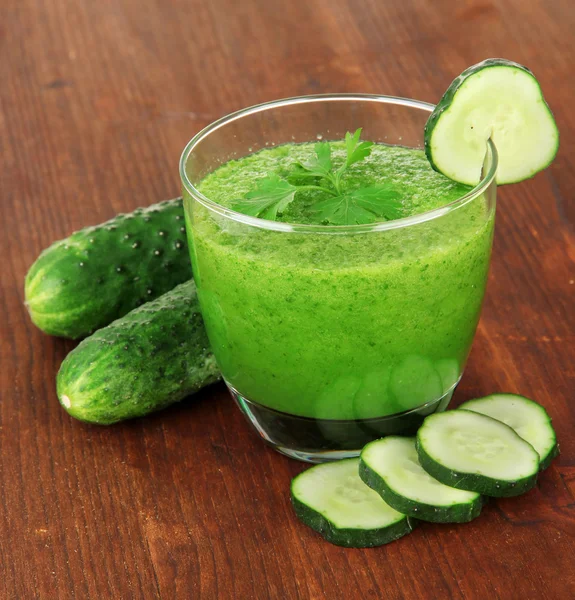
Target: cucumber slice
470 451
332 500
391 467
495 98
527 418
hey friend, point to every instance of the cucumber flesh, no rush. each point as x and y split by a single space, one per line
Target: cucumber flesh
496 99
390 466
527 418
474 452
332 499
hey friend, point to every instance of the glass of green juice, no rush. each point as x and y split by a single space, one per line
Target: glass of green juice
330 336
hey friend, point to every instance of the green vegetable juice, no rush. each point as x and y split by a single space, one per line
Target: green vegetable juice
349 325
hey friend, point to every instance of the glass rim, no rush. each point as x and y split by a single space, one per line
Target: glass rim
430 215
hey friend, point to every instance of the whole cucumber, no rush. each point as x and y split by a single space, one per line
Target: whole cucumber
100 273
152 357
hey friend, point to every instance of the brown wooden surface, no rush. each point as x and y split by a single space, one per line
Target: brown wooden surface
97 100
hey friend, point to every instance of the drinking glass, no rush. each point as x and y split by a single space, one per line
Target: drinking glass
331 336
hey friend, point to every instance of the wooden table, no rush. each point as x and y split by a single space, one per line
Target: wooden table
97 102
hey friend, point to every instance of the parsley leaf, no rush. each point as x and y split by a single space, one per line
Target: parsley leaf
359 206
270 197
337 205
320 164
356 152
380 200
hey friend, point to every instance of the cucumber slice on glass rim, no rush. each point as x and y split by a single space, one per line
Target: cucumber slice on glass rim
473 452
527 418
332 500
390 466
497 99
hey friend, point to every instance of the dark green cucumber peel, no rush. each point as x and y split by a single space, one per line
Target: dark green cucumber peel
351 538
474 482
458 513
548 459
448 97
153 357
101 273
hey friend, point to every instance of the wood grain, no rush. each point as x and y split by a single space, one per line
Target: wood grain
97 100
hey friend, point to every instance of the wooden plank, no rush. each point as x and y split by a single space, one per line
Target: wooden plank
97 100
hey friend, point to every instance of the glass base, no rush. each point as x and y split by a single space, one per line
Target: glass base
323 440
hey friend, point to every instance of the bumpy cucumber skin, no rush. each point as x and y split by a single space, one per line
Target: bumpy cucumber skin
151 358
101 273
456 513
495 488
544 461
351 538
447 99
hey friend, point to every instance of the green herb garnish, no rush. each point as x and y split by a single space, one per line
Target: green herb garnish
337 206
270 196
362 205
